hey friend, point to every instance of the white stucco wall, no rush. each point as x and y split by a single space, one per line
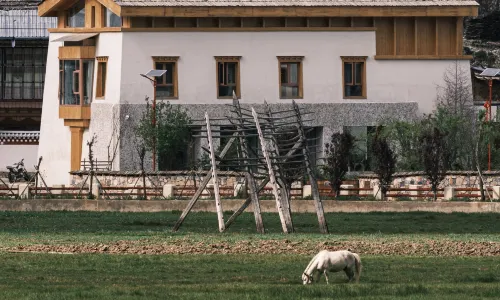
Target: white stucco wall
130 53
55 138
387 81
11 154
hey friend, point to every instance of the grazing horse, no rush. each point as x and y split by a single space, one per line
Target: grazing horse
326 261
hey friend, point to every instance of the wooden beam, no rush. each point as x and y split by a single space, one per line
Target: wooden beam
202 186
112 6
276 192
242 29
61 19
84 30
215 181
50 8
76 147
316 11
423 57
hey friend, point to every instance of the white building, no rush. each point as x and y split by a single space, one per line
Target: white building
353 63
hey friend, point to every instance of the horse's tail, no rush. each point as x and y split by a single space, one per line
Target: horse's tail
358 265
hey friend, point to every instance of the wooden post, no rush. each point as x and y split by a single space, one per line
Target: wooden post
218 206
201 187
260 187
323 227
272 178
285 199
248 175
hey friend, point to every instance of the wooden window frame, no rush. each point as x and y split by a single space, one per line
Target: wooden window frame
175 83
224 59
300 85
100 90
354 59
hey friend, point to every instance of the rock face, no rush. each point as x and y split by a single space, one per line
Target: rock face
486 28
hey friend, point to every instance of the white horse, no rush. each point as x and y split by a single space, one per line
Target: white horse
326 261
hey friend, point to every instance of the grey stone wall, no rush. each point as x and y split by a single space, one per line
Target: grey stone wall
331 116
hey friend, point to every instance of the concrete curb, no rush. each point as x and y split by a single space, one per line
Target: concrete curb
298 206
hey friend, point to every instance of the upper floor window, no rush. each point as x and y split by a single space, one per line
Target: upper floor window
290 68
76 15
166 85
75 81
22 73
111 19
354 77
228 76
102 66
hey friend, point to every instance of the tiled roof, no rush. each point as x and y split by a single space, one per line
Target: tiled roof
18 4
260 3
19 137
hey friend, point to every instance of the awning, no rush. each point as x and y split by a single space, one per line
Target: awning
75 37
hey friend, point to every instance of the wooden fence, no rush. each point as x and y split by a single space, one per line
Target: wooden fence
127 192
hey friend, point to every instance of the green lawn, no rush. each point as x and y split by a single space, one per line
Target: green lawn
101 276
245 276
59 226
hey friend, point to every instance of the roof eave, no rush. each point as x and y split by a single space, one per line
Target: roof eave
300 11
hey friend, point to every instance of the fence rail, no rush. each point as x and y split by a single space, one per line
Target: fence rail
180 192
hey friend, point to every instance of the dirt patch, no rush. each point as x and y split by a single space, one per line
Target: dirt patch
431 248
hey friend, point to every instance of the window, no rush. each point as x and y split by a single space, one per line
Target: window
361 157
166 86
228 76
290 68
102 65
75 81
354 77
22 73
76 15
111 19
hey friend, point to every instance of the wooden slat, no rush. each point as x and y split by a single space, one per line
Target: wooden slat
447 36
405 36
385 36
460 35
426 36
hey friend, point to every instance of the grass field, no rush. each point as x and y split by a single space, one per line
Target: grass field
439 268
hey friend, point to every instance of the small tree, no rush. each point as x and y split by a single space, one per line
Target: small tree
384 162
337 159
171 133
434 156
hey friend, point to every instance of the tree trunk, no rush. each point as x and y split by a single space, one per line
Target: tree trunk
434 190
478 164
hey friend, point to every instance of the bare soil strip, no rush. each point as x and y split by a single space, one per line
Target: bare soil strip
425 248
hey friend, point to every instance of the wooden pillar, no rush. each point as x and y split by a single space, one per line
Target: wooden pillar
76 147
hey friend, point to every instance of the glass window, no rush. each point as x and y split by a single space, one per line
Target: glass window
19 69
88 75
75 83
111 19
354 79
69 77
76 15
290 87
227 74
165 85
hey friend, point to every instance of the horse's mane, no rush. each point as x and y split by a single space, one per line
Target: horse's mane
311 262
